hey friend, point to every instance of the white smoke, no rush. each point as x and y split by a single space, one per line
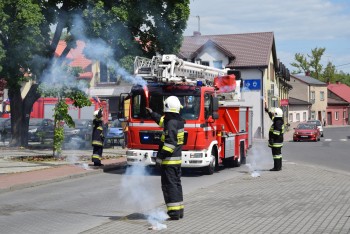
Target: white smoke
136 194
99 50
258 159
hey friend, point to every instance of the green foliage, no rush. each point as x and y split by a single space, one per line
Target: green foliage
27 46
313 65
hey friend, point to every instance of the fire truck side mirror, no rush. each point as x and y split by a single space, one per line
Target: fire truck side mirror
215 104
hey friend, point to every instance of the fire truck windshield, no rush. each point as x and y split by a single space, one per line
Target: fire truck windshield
190 103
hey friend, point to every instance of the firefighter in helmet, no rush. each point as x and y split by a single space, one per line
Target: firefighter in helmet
169 155
276 137
97 138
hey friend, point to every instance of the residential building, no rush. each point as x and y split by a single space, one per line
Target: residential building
310 90
299 110
254 55
101 83
338 109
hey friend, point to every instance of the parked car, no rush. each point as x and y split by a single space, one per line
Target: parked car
306 132
115 132
40 129
318 124
82 129
80 135
5 128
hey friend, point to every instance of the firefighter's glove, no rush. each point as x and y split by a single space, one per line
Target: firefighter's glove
149 110
159 161
266 109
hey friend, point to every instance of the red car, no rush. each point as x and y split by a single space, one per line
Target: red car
306 132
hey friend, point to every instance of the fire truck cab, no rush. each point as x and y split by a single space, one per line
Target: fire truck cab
216 128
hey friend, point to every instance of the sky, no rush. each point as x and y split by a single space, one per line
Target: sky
298 25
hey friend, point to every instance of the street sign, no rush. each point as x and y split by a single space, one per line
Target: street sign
252 84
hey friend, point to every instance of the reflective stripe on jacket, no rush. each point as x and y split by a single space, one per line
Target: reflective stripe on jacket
172 137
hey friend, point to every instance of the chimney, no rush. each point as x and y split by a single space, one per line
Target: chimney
196 33
338 82
307 73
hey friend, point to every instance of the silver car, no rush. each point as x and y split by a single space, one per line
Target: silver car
318 124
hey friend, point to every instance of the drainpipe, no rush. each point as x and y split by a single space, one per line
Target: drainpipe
262 103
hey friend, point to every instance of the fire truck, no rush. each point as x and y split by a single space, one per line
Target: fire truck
217 128
44 108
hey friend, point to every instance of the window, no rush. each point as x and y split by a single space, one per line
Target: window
205 63
344 114
336 115
290 117
298 117
313 115
218 64
304 116
322 96
312 97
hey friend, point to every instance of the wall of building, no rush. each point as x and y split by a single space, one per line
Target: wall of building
318 108
255 99
300 89
294 111
339 115
211 54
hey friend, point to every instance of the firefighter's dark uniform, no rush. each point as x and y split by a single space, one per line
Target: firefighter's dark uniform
276 140
169 158
97 140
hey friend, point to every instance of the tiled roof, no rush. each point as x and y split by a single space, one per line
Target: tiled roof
75 55
295 101
309 80
341 90
85 75
249 49
332 101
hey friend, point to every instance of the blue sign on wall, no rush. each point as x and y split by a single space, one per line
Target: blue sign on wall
252 84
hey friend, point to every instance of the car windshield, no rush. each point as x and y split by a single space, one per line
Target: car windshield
116 124
306 126
318 123
35 122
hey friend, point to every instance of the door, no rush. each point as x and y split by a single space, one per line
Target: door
329 118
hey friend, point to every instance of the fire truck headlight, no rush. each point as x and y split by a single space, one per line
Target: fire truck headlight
196 155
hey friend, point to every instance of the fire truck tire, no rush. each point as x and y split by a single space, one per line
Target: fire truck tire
213 166
237 162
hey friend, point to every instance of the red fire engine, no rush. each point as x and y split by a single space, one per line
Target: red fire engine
44 108
217 128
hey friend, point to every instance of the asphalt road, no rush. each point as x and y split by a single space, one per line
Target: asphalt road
333 151
75 205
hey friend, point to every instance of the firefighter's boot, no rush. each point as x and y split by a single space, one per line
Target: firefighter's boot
181 213
174 215
279 164
275 165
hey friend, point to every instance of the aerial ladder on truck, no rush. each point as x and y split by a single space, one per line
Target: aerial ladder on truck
216 125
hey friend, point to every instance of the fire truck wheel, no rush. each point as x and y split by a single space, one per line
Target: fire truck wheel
212 167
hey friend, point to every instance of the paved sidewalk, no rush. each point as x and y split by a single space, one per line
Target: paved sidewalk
299 199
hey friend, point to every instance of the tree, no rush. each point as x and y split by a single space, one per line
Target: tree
312 64
27 51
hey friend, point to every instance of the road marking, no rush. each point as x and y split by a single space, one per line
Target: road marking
327 139
343 139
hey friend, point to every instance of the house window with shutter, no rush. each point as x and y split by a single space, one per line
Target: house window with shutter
336 115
